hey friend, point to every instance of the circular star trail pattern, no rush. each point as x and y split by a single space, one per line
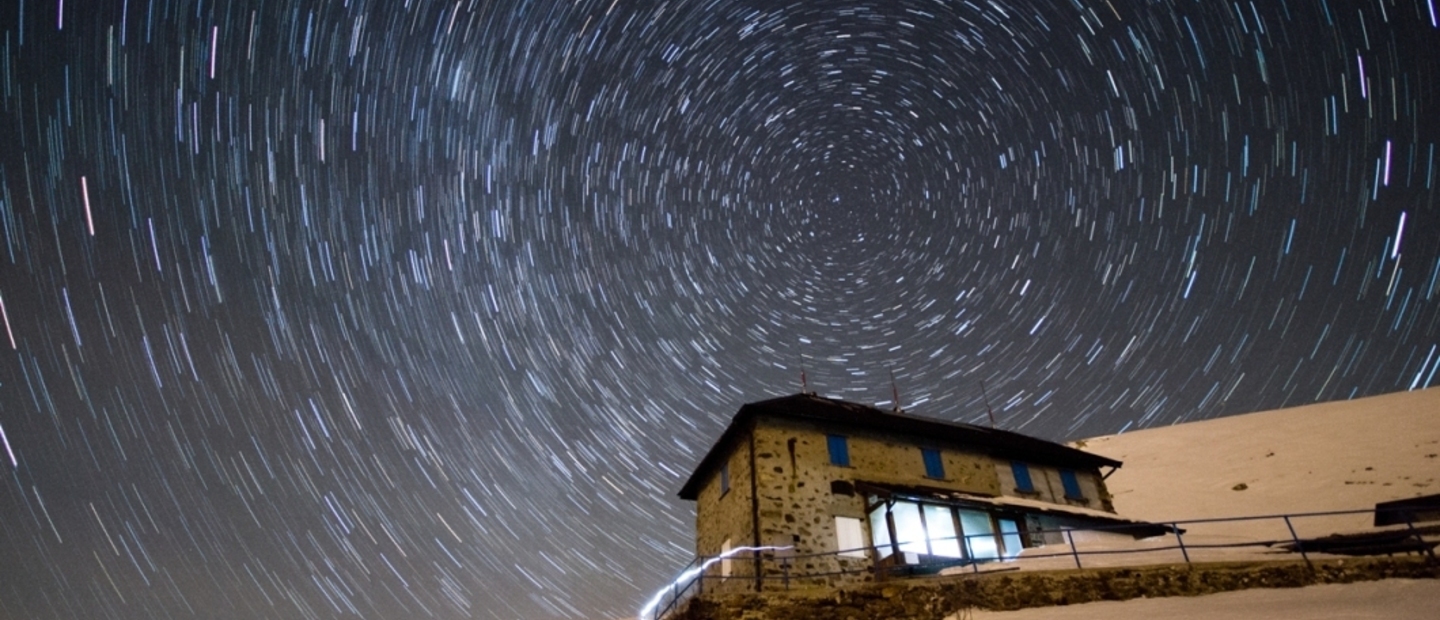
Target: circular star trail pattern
425 309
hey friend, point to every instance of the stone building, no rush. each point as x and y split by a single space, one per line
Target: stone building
842 492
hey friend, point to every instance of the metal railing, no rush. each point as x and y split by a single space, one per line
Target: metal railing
775 566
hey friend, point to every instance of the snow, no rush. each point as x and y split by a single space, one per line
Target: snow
1337 456
1392 599
1343 455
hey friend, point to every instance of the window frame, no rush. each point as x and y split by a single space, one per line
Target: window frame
1070 480
724 478
934 463
727 565
1024 482
857 528
839 448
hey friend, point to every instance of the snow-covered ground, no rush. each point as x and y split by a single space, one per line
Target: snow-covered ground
1336 456
1326 457
1392 599
1330 456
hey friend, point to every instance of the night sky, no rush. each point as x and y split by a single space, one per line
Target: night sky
425 309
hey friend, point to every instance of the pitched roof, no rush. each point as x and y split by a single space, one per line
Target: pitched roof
840 415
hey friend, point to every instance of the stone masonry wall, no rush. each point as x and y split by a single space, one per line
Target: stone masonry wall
727 516
797 505
1049 488
937 598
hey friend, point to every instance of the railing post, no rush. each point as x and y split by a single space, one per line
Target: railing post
1073 551
785 571
1426 549
1298 545
1180 539
969 553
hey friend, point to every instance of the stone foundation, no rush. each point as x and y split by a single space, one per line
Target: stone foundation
939 597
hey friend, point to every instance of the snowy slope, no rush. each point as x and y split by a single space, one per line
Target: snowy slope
1393 599
1317 458
1328 456
1324 457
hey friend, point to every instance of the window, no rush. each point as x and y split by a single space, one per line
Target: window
724 479
934 467
1010 537
880 532
909 529
943 531
1072 485
940 528
979 534
725 564
849 540
839 450
1022 477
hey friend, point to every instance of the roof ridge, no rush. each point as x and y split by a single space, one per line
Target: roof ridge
850 416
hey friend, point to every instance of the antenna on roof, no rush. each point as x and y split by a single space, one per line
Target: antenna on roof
804 384
895 392
986 396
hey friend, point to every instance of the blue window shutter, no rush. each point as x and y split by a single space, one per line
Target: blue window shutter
1022 477
1072 485
934 467
839 449
724 478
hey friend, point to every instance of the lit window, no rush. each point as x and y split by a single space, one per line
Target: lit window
839 449
726 566
979 535
724 478
934 467
849 540
1071 484
1010 537
1022 477
940 528
880 532
909 529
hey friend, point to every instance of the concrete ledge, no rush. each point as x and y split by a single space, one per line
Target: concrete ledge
938 597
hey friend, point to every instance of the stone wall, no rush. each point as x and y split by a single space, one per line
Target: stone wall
799 494
937 598
798 503
727 516
1049 488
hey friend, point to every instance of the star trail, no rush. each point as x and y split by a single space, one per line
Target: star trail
426 309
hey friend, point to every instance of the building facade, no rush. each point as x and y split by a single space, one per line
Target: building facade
822 492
